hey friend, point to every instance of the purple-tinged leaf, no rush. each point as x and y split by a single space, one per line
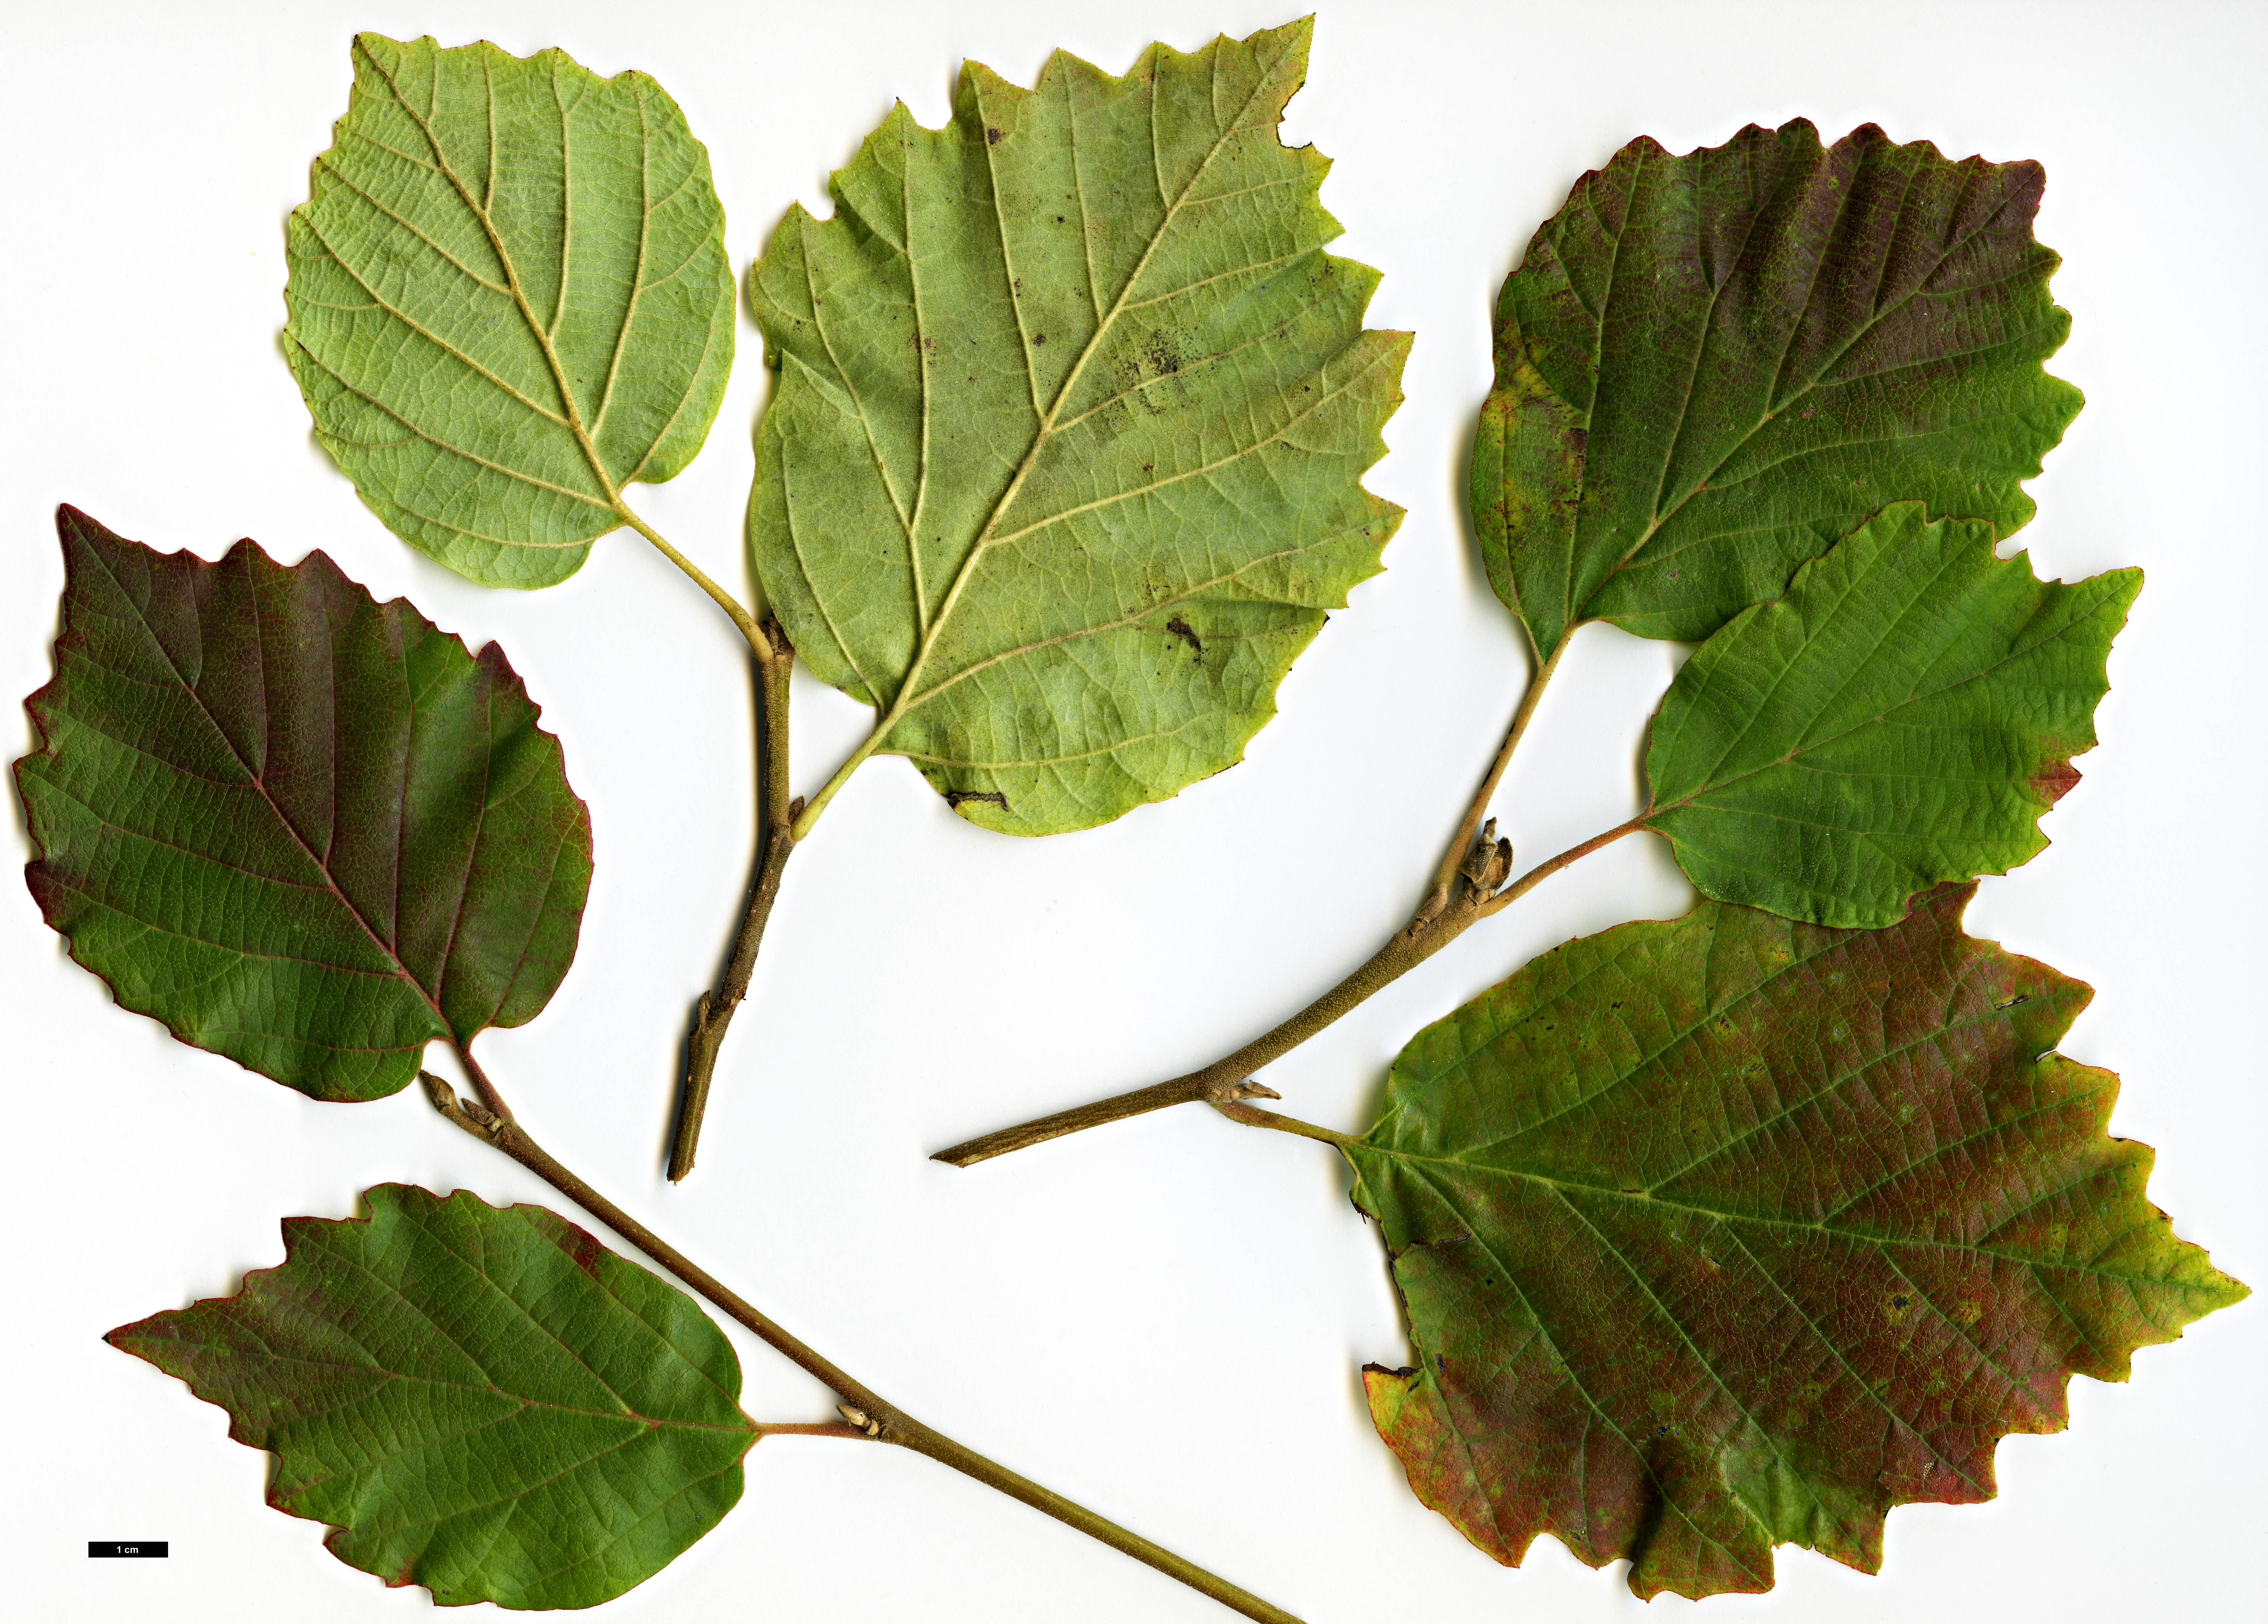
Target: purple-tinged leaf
304 829
1729 1232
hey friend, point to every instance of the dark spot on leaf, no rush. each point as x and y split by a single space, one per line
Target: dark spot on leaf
1160 353
953 797
1039 338
1180 628
992 137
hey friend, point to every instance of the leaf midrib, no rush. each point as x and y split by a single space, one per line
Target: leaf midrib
1654 1057
2015 649
1131 618
259 782
1772 412
1650 1202
1775 412
906 695
1853 588
521 1400
536 329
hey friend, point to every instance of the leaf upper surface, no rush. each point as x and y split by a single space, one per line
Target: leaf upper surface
509 299
304 829
483 1400
1732 1231
1902 717
1063 466
1708 367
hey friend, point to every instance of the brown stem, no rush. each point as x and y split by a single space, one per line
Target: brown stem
1447 873
1544 870
714 1010
811 1429
1441 919
866 1412
1226 1081
1253 1116
490 1100
723 599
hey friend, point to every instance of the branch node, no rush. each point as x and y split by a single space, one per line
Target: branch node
1432 910
1487 865
470 1114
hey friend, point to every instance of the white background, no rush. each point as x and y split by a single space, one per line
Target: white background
1165 1318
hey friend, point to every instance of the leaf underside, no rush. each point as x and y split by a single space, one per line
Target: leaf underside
304 829
1729 1232
483 1400
509 300
1709 367
1902 717
1064 467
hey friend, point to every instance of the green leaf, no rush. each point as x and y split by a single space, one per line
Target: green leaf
1902 716
1729 1232
1709 367
1065 462
484 1400
509 300
304 829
